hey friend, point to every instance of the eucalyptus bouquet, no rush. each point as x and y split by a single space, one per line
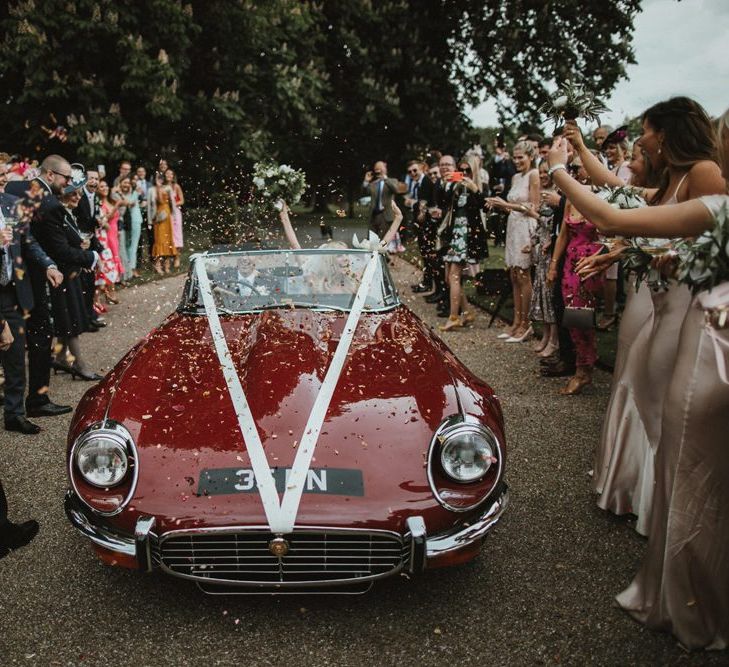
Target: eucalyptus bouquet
275 185
704 261
572 101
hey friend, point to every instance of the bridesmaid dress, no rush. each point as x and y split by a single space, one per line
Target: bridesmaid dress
683 583
624 463
623 459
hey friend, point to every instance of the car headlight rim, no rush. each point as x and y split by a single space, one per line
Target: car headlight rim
435 470
127 484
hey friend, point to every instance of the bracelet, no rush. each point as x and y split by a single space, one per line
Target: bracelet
556 167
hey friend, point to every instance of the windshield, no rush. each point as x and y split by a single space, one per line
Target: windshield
319 278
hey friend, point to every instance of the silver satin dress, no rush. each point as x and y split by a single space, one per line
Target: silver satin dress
683 584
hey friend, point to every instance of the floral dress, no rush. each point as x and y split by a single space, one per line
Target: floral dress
458 249
542 307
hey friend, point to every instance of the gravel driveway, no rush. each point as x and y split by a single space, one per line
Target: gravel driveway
540 593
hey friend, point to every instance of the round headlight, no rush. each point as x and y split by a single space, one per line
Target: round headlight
467 453
102 460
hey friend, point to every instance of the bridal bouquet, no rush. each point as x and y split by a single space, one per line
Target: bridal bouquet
572 101
275 184
704 262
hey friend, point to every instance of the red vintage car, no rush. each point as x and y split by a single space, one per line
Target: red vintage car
292 426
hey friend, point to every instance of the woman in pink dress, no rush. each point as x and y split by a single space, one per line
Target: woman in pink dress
110 268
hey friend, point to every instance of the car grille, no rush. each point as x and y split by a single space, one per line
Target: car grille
314 557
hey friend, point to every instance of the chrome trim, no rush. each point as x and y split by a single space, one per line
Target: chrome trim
142 542
448 423
463 536
299 530
116 430
100 535
418 538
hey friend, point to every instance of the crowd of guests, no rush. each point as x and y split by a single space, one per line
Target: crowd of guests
67 238
662 453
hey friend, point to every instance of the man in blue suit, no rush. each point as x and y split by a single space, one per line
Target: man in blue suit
18 250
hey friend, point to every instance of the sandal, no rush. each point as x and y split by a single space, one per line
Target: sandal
454 322
607 322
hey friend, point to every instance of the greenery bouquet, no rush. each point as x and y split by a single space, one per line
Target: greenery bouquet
276 185
704 261
571 102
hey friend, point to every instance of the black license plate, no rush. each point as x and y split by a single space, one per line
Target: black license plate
331 481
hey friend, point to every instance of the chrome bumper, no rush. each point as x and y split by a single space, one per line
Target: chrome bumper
98 533
423 548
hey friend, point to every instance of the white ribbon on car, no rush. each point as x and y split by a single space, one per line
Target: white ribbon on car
281 516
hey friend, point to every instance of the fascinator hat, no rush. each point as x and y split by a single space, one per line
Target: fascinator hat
78 178
616 137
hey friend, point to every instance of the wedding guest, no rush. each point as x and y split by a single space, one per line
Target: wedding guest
125 168
615 150
522 204
502 170
542 309
73 254
13 535
419 192
464 240
623 469
678 141
179 199
160 208
130 216
110 269
599 134
683 583
18 249
381 191
141 186
434 173
47 219
87 218
578 238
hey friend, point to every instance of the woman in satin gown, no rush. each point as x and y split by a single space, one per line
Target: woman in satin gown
683 583
624 459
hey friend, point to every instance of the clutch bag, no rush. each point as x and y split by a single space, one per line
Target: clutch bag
578 318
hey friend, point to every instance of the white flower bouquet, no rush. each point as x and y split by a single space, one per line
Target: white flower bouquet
275 185
704 261
571 102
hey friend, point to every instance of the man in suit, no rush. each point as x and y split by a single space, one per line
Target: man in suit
381 190
420 192
18 252
47 226
439 206
87 215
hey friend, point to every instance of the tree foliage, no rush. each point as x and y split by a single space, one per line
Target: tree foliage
327 85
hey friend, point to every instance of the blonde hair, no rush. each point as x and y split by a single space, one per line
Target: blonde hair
475 164
528 149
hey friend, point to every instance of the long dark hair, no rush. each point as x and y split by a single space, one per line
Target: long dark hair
689 136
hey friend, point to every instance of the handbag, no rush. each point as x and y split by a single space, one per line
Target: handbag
576 317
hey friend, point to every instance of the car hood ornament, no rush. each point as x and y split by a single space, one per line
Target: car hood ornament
278 546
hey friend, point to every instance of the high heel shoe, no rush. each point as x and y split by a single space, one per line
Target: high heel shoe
467 317
607 322
99 308
110 299
454 322
60 367
520 339
576 384
88 377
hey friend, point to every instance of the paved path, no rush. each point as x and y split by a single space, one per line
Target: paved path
540 593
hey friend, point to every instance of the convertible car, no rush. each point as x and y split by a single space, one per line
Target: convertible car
291 427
